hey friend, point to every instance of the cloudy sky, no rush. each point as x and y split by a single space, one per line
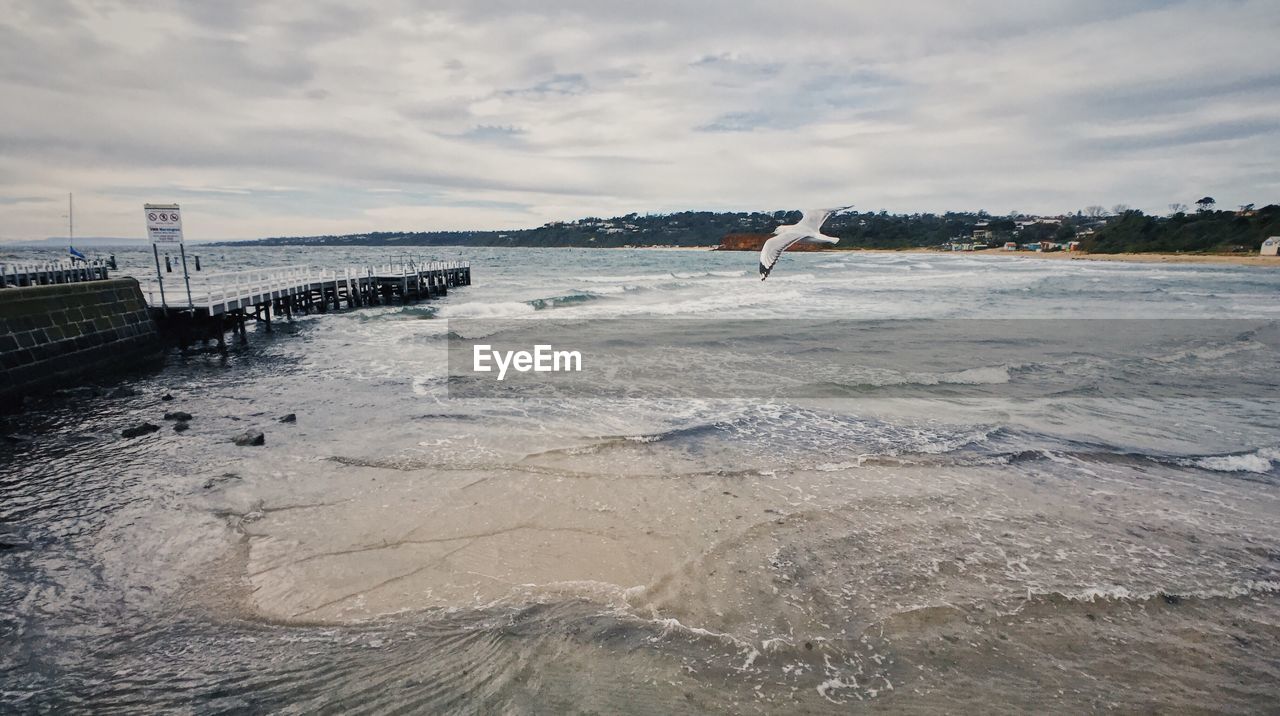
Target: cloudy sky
283 118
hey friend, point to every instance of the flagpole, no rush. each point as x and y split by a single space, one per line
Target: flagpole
71 220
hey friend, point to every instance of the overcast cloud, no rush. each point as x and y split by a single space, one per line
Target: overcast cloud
285 118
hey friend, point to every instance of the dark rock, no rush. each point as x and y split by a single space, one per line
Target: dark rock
290 418
178 415
123 391
250 438
139 429
166 396
1170 598
181 427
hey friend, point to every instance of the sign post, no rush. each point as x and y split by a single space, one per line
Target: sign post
164 226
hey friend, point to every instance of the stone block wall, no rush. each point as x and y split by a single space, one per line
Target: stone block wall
63 335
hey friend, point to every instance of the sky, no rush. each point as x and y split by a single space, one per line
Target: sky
315 117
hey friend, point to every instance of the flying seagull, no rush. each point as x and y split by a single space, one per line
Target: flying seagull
809 227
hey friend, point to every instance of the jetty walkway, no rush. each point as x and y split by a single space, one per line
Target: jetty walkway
216 302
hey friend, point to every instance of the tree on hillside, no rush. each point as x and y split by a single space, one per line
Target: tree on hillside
1119 209
1095 212
1206 203
1177 208
1042 232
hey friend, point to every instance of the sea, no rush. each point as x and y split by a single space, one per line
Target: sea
1063 498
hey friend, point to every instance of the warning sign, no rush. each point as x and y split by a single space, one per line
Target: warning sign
164 223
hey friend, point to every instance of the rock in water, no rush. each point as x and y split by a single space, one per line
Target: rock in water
181 427
123 391
178 415
250 437
290 418
139 429
166 396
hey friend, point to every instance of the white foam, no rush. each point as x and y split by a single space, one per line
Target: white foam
1259 461
485 310
1206 353
636 278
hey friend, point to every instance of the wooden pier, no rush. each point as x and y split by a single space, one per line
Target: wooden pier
218 302
46 273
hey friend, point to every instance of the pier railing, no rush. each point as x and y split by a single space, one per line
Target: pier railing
39 273
230 290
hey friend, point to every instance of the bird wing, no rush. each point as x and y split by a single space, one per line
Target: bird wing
773 248
813 219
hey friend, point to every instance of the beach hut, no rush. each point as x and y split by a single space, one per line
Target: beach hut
1010 246
1271 247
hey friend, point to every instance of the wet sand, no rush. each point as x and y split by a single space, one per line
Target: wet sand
850 583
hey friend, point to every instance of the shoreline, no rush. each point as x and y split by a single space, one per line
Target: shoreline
1221 259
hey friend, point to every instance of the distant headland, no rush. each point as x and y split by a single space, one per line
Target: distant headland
1205 230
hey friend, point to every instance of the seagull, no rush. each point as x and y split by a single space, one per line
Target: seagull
809 227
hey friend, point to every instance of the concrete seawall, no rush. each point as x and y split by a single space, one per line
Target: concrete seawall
61 335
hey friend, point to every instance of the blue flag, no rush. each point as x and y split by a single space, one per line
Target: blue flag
76 254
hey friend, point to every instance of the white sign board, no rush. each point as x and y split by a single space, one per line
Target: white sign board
164 223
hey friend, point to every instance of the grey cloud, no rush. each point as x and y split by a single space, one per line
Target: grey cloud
588 105
493 132
25 200
738 122
1201 134
558 84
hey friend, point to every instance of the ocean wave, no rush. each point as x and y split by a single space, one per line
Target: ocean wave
802 438
1210 352
569 299
477 309
657 277
710 274
1117 593
631 278
612 289
1261 461
984 375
